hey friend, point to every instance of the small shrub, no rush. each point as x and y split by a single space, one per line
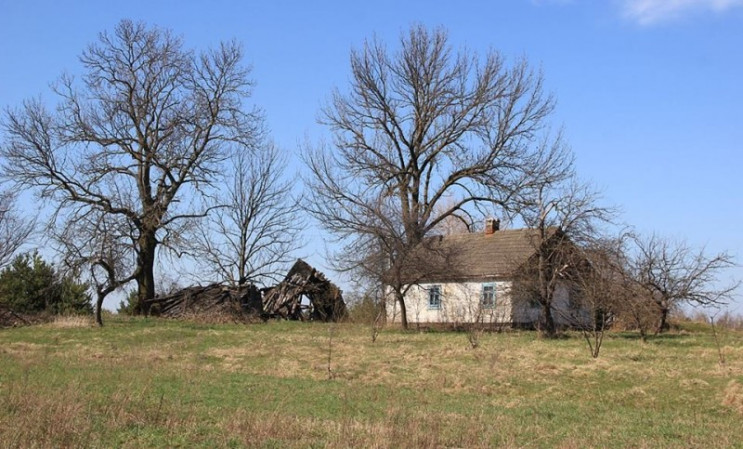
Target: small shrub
128 306
30 285
367 311
364 310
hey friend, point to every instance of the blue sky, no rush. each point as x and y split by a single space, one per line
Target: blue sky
649 92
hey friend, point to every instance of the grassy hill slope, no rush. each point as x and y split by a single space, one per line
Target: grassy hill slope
156 383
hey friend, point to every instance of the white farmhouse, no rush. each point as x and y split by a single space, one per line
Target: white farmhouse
475 282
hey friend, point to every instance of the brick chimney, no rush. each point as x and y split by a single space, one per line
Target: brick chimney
491 225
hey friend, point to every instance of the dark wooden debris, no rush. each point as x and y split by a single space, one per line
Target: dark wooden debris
324 299
8 318
212 301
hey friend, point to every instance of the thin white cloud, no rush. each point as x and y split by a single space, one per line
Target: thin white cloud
649 12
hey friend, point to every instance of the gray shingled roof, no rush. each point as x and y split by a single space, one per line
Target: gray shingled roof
478 256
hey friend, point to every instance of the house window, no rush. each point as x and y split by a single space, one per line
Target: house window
488 296
434 297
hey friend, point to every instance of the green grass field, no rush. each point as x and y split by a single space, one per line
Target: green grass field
156 383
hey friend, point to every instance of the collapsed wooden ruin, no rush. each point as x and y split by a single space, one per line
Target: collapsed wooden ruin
304 294
285 300
215 301
9 318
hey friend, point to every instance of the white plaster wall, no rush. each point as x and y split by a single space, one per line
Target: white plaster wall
460 303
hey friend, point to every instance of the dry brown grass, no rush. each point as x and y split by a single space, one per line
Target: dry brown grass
57 420
722 319
71 321
399 428
733 397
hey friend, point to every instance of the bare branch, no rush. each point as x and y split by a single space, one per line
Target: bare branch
14 229
568 216
671 273
249 237
417 128
148 125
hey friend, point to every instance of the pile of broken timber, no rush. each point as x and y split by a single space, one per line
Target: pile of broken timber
285 299
211 301
8 318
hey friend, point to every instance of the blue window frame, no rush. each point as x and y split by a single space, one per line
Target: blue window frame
434 297
488 296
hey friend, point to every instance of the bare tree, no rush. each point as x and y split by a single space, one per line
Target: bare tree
671 273
14 229
567 216
416 128
633 307
141 137
640 312
250 235
602 289
100 245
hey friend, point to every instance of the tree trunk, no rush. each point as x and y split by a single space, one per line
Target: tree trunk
663 324
549 329
403 311
98 307
146 278
383 304
641 324
544 289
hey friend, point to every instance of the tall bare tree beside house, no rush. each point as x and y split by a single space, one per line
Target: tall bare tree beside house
417 127
671 273
602 290
141 136
567 215
613 285
254 226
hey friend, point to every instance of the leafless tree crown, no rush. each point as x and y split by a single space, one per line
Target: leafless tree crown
415 129
670 273
141 136
423 124
250 234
